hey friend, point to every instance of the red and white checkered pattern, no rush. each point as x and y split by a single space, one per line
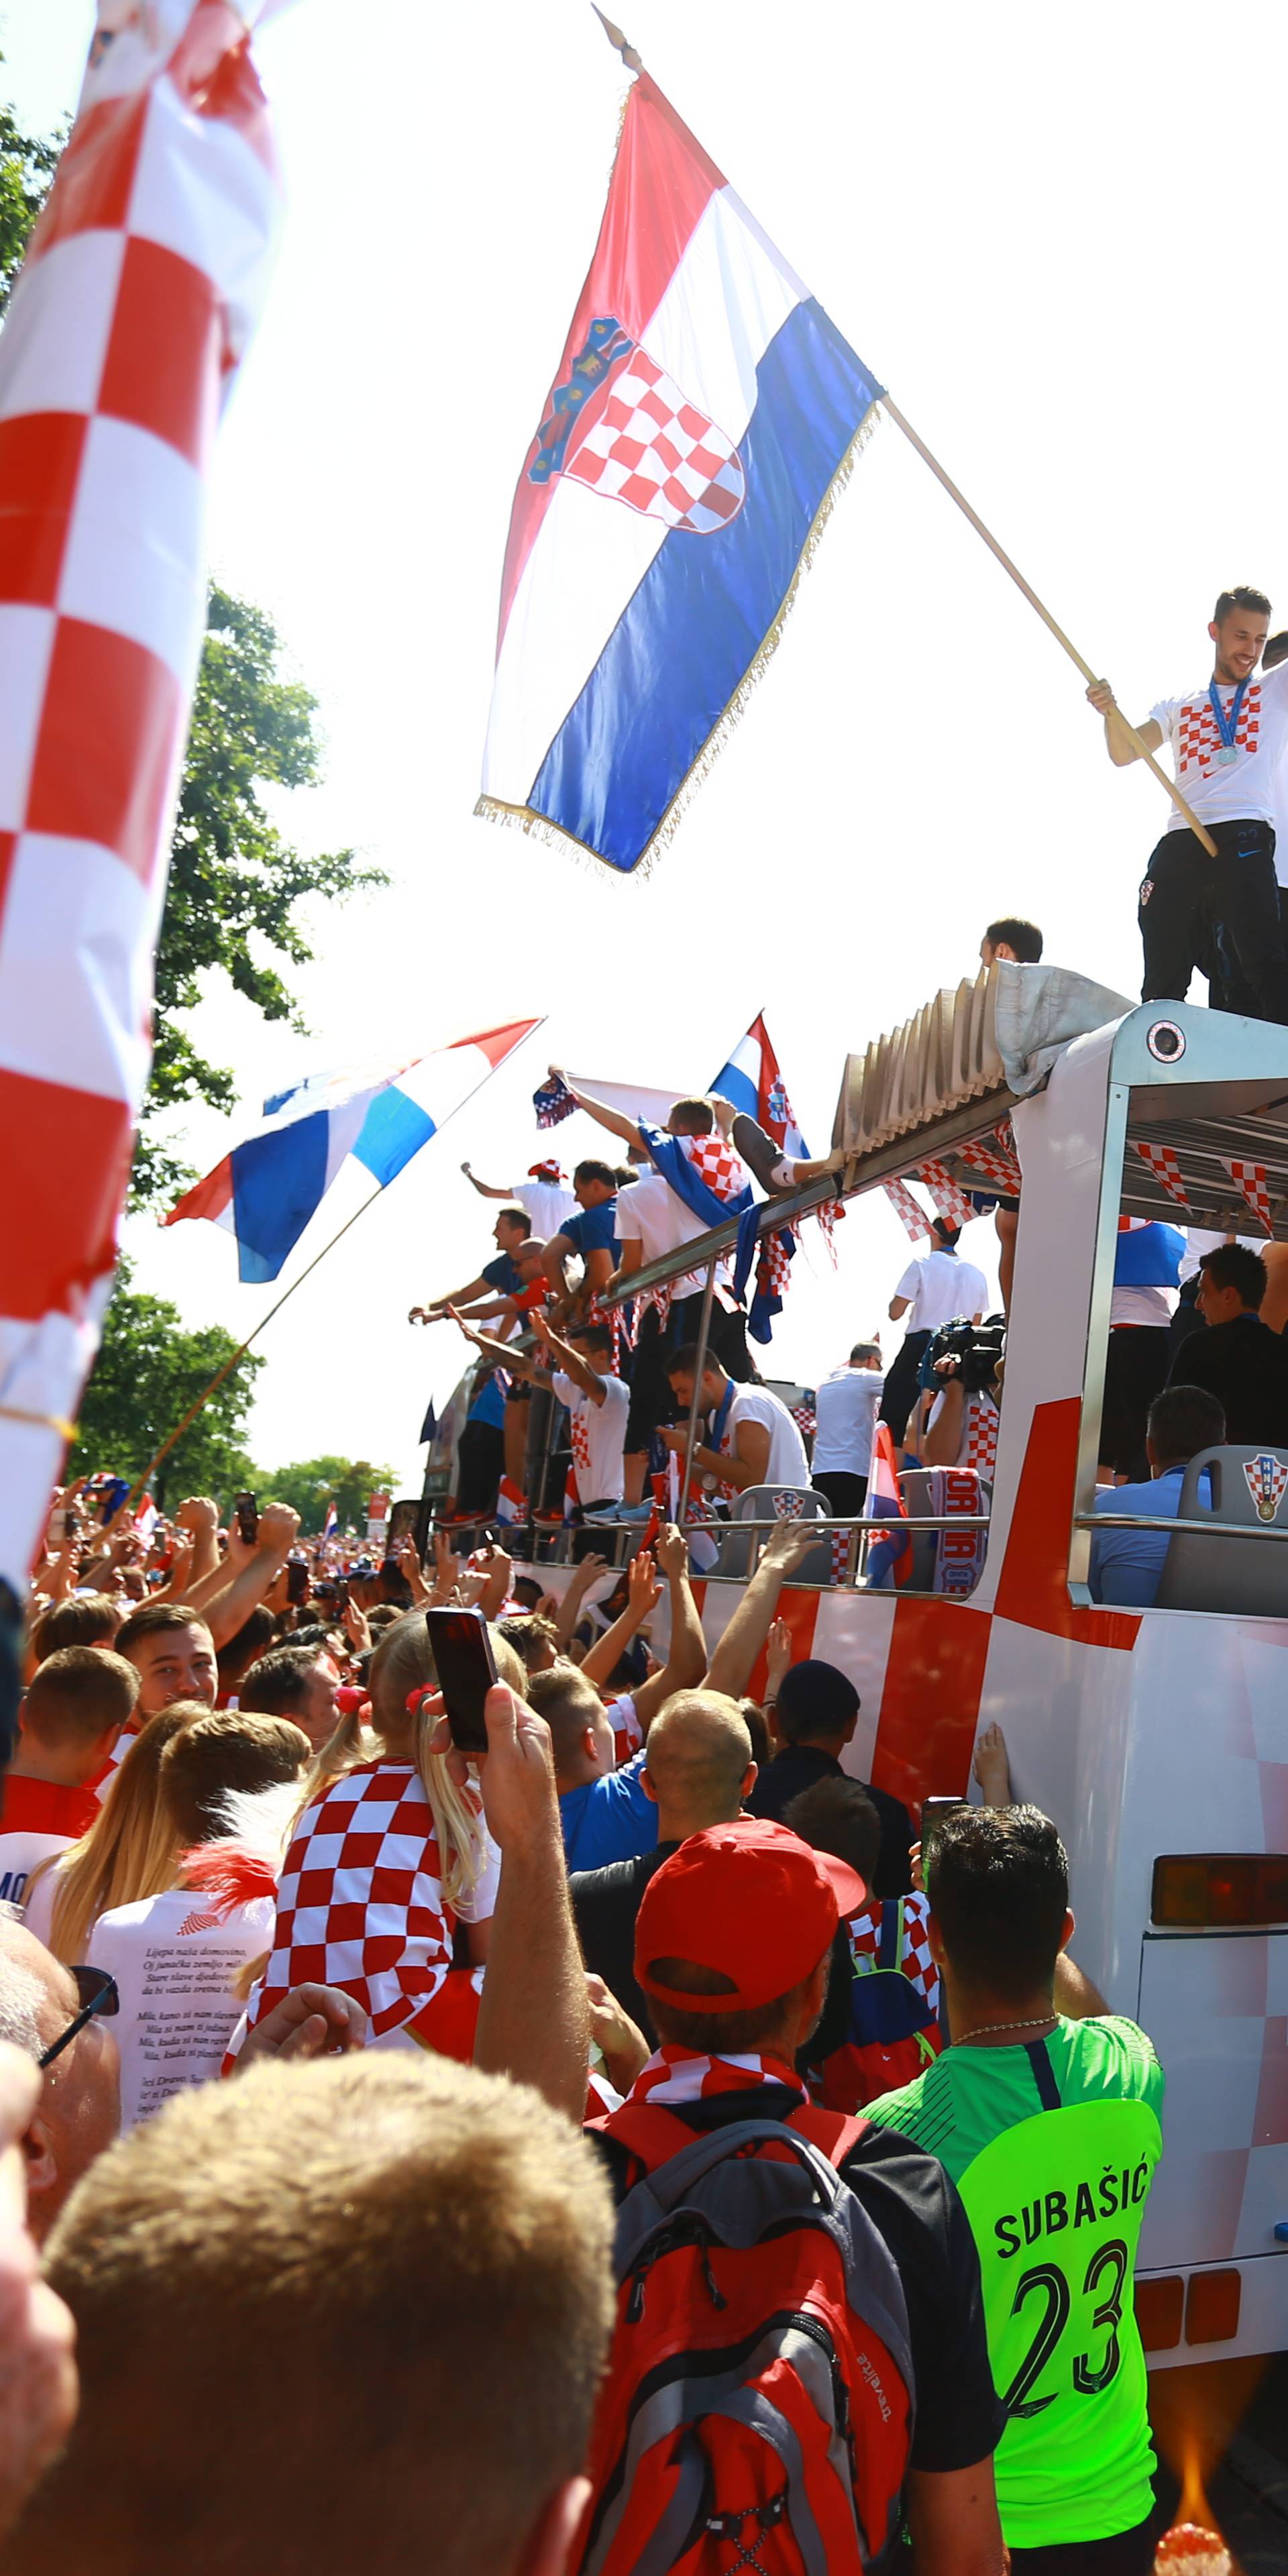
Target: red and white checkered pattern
805 1418
915 1960
360 1904
132 312
1163 1164
827 1215
1250 1181
714 1159
777 1263
981 1436
1198 735
678 2075
997 1161
952 1203
910 1210
657 452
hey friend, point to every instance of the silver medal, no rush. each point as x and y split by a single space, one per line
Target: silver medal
1228 751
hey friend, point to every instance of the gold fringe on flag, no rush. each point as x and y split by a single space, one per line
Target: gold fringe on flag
524 818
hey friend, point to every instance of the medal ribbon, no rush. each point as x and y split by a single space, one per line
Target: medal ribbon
1227 726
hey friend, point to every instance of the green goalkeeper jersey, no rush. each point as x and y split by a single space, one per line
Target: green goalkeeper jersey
1052 2147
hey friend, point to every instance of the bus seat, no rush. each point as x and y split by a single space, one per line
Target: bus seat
768 1503
1231 1574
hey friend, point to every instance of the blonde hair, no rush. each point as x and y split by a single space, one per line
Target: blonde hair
434 2240
131 1849
403 1662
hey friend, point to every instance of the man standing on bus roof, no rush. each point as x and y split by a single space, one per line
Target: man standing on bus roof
1227 736
1045 2111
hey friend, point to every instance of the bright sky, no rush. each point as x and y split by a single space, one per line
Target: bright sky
1042 229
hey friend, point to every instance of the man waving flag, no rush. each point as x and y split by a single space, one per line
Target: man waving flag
702 416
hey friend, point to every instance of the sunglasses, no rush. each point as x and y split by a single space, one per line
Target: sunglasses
97 1993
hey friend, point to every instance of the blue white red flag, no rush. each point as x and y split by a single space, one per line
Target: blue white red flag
889 1559
752 1081
268 1187
702 416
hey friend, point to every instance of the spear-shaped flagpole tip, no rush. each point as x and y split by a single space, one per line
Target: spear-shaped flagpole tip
622 43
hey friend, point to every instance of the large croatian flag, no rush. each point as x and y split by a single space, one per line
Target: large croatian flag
703 414
267 1189
752 1081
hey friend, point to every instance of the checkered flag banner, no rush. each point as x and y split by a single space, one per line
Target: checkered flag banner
133 311
953 1205
1162 1162
553 1102
1250 1181
907 1208
805 1418
827 1215
996 1161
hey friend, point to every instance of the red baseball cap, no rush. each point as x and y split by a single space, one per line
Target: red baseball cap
749 1900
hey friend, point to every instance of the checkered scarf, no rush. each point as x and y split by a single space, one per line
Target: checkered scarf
360 1903
678 2075
863 1932
981 1436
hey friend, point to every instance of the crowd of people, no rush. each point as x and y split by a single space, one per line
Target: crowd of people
304 2007
626 2138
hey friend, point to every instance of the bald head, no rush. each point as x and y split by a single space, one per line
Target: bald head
698 1763
79 2110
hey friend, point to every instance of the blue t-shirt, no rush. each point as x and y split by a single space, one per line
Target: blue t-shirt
502 1274
608 1819
1126 1564
594 1230
488 1406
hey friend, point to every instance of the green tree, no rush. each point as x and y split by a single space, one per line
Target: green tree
27 165
313 1483
148 1371
234 882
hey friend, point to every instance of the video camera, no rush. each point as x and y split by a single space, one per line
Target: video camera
976 1348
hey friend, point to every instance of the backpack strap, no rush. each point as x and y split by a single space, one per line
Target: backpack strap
836 2133
648 2132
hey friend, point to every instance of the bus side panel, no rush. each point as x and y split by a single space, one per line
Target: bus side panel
1216 2007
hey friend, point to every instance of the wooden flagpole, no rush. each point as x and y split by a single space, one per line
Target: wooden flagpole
621 44
1045 614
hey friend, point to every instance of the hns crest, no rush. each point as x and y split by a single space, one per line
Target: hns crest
1267 1478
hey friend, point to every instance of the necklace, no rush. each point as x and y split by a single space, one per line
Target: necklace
987 2029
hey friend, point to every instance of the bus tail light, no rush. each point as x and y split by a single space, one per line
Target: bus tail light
1212 2307
1160 2306
1220 1889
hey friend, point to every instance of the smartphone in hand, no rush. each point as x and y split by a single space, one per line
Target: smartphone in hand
247 1519
466 1669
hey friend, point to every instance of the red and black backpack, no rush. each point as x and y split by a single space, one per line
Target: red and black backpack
758 2408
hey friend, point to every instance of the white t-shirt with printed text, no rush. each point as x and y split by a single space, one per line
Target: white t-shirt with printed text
941 1285
845 1409
598 1434
174 1966
1240 790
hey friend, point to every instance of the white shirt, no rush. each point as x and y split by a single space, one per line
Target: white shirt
174 1966
548 1206
652 1215
940 1286
598 1434
845 1407
787 1463
1200 1238
1242 789
1154 1306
